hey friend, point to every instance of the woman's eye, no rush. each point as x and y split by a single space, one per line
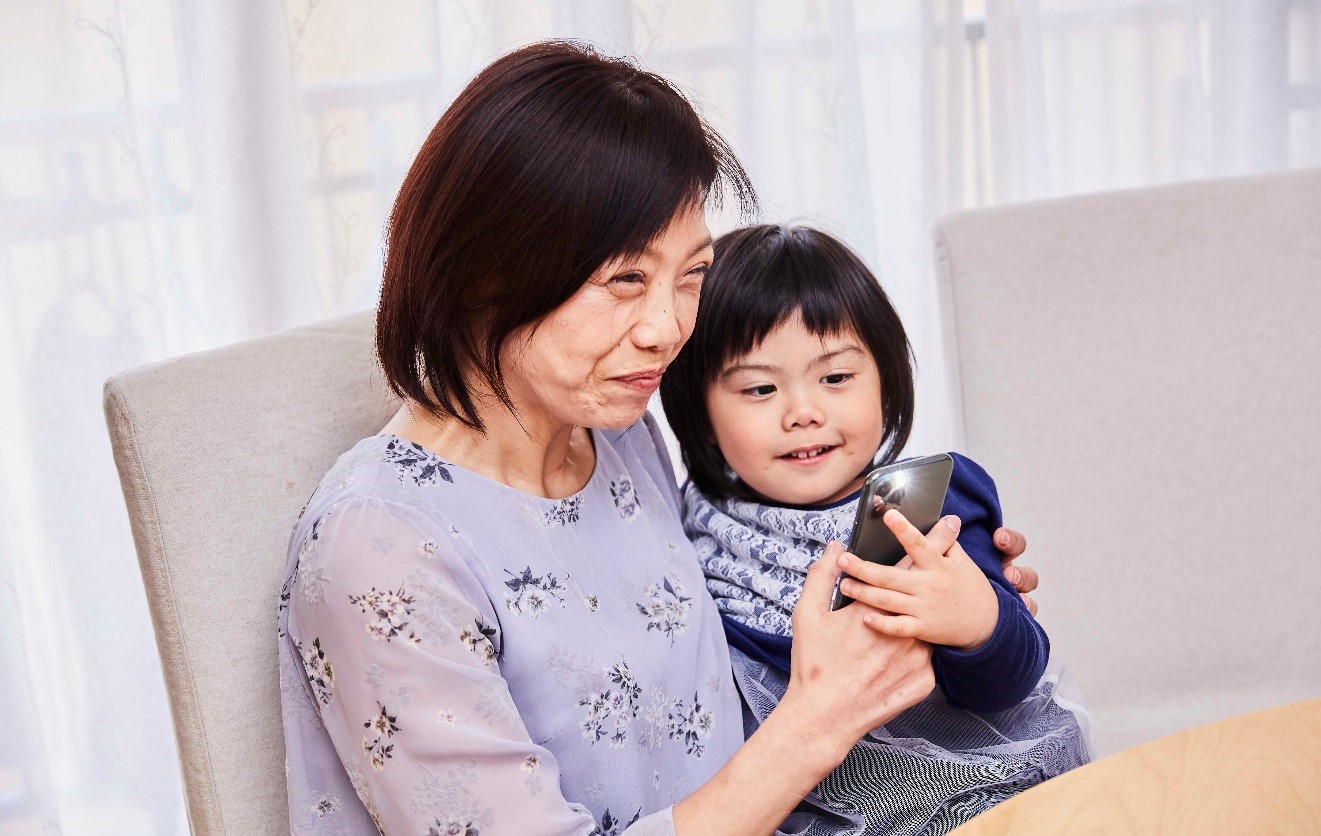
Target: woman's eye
760 391
627 279
836 379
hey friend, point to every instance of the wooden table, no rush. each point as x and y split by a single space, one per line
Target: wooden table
1256 773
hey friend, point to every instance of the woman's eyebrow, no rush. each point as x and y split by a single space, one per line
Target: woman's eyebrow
707 242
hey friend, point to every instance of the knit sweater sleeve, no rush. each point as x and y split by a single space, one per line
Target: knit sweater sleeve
1002 672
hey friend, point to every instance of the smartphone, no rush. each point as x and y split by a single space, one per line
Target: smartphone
916 488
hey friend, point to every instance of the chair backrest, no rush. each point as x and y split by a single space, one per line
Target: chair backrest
217 452
1141 372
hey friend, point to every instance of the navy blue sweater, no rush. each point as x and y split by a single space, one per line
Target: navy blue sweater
1002 672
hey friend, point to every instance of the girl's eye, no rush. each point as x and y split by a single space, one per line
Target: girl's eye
760 391
836 379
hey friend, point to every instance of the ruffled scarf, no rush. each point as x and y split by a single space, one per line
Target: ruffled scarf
755 556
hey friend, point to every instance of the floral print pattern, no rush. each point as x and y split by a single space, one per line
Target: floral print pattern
532 594
320 675
611 826
626 498
666 608
375 743
449 803
611 709
565 511
573 683
392 611
416 462
691 724
477 638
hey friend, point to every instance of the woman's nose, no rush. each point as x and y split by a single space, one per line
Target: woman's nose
658 327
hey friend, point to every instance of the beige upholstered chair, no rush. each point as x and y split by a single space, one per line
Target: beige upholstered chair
217 452
1141 372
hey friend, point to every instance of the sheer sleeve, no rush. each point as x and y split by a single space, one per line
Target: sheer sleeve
401 650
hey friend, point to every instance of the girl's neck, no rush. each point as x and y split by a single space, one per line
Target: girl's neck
851 495
538 457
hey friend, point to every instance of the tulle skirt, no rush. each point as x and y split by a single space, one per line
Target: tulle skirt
934 766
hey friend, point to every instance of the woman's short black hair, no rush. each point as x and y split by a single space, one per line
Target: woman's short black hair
763 276
551 162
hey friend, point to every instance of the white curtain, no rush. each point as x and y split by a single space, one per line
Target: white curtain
179 174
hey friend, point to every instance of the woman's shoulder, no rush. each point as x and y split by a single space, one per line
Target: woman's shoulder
381 472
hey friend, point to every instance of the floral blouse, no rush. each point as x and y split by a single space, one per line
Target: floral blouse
460 657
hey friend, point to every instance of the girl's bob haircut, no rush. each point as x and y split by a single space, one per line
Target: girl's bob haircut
552 161
762 277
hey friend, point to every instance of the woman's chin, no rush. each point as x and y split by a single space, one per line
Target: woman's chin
614 419
617 420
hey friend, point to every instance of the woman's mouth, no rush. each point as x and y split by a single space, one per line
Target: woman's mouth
642 382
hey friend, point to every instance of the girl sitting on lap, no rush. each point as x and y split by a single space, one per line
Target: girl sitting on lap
796 382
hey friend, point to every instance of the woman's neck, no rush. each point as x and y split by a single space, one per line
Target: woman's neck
544 458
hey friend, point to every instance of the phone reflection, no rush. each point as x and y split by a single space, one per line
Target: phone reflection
889 494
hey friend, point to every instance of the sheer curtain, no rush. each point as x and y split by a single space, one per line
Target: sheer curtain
178 174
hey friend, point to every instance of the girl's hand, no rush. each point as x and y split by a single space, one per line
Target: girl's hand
941 598
845 679
1012 545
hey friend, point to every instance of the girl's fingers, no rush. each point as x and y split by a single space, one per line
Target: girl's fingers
899 626
913 541
944 534
888 600
874 574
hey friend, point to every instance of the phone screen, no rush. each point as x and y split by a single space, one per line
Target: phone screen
916 488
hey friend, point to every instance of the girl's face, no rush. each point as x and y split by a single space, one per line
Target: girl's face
798 418
596 359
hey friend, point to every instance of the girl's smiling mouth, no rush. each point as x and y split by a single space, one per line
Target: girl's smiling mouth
809 455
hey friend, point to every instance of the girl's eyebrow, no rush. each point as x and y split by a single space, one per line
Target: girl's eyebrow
769 369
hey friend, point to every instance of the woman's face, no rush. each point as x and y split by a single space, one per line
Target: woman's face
596 359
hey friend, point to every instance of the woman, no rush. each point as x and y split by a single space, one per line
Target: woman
493 622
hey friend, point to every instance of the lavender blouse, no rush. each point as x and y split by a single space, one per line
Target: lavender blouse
460 657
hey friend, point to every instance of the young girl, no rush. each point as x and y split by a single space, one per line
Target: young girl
796 382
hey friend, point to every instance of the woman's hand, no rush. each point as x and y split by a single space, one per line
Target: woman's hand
844 681
844 676
939 597
1012 545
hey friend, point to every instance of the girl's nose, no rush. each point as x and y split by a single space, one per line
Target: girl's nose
802 412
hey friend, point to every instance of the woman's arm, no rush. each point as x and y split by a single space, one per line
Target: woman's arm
400 647
401 650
